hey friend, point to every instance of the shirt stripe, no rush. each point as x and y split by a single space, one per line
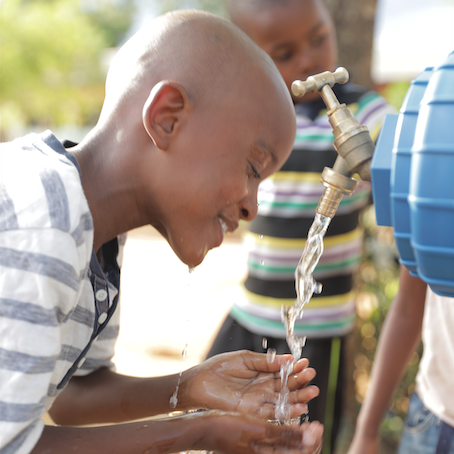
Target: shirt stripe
47 304
287 203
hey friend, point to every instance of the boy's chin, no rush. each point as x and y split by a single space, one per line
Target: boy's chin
192 258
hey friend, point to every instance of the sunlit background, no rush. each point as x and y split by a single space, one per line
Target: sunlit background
54 55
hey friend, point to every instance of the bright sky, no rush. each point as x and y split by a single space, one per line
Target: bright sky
411 35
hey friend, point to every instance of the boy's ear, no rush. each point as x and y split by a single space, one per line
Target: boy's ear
164 111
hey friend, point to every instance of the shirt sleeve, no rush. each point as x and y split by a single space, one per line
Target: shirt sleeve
40 280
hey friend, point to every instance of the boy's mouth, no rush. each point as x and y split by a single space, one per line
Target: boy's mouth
223 225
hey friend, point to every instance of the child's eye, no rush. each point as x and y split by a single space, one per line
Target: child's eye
284 56
319 40
254 171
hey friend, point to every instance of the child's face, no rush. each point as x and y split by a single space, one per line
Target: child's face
216 166
298 35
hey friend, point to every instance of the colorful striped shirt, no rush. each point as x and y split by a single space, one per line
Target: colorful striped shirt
54 297
276 238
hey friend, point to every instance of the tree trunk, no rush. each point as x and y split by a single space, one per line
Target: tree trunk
354 22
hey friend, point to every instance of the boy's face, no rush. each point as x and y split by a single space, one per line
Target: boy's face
215 167
298 35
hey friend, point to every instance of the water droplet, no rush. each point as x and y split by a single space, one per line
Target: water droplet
191 269
174 399
270 355
262 262
142 427
260 237
264 342
318 287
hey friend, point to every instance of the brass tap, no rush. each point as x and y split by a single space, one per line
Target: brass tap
352 141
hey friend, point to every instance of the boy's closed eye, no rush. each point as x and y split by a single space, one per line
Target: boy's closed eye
253 171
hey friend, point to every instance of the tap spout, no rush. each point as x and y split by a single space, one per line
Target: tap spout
352 141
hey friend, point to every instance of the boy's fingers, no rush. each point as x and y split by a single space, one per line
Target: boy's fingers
261 362
300 365
312 435
305 439
296 381
268 411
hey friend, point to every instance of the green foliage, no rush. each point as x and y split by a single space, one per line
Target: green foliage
112 17
378 284
395 93
51 70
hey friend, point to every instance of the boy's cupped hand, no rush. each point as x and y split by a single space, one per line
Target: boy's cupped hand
235 433
246 382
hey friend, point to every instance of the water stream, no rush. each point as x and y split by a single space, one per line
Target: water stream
306 286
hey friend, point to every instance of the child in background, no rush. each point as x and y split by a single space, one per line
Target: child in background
185 135
300 38
429 426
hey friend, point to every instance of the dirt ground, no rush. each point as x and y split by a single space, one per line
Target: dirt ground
164 307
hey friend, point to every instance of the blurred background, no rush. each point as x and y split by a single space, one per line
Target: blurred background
54 55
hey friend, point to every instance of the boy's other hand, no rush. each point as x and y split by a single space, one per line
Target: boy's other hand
246 382
228 432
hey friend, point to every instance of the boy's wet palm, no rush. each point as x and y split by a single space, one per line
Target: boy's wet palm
244 381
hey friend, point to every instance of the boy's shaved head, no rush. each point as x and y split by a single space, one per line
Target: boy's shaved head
195 116
206 54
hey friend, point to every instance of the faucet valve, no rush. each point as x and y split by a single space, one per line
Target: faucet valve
317 82
352 141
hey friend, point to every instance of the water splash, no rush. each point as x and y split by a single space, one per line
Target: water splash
282 412
305 286
265 343
174 399
305 283
270 355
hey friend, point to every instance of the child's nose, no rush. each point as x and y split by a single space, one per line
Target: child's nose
249 207
306 62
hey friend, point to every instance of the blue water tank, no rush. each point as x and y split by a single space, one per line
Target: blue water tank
418 199
401 166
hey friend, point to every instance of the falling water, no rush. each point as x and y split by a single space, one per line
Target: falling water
305 286
174 399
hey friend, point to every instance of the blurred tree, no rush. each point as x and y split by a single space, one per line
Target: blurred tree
51 70
354 21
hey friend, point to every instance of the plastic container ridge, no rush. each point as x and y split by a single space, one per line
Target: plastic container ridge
413 184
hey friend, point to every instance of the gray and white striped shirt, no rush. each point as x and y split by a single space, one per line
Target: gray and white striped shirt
48 311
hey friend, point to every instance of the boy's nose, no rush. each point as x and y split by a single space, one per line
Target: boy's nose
249 207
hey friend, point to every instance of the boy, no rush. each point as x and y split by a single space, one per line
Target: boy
184 137
429 426
300 38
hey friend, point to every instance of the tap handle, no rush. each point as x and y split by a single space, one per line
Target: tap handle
318 81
